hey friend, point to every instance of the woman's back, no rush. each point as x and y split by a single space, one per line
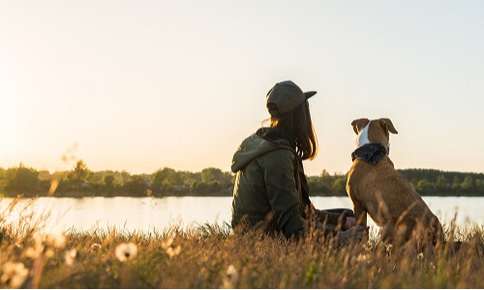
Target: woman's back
265 189
271 190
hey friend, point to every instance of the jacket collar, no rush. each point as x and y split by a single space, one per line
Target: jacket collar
275 134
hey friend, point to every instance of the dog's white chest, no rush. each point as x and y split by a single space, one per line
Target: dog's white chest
362 138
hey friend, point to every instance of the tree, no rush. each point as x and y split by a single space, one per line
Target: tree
317 187
456 184
80 173
441 184
137 186
109 181
211 175
23 180
339 186
166 179
3 179
424 186
77 180
467 184
480 185
326 178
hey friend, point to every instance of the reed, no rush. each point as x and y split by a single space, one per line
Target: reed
213 257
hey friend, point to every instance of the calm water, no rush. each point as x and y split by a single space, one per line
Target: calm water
149 214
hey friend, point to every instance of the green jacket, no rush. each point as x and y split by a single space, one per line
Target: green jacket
268 189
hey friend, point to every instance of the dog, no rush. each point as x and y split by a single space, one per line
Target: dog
377 189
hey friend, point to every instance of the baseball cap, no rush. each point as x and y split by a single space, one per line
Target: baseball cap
286 96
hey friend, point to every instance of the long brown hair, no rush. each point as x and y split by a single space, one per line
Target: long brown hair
298 127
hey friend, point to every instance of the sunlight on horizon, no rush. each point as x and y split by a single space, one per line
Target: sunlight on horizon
180 84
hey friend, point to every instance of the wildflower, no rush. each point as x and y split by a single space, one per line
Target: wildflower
14 274
172 252
94 247
34 252
38 239
49 253
362 258
57 241
70 256
231 278
420 256
169 248
37 249
45 245
388 248
165 244
126 251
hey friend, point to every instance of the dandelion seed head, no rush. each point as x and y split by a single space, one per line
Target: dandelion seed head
231 271
167 243
362 258
173 251
57 241
70 257
95 247
34 252
49 253
44 244
231 277
388 248
14 274
126 251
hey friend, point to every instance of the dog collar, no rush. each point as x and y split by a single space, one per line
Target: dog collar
371 153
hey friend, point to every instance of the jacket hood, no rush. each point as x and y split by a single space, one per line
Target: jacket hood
255 146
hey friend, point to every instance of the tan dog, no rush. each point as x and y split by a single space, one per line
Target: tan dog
379 190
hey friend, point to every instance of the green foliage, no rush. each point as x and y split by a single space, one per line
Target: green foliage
137 186
80 173
210 175
22 180
81 181
166 179
442 183
339 184
424 185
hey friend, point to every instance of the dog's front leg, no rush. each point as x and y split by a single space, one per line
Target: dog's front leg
360 214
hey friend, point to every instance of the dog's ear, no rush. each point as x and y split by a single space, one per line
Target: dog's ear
387 124
359 124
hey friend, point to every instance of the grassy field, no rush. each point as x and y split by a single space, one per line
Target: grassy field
212 257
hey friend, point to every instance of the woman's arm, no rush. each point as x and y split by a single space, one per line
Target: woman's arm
284 198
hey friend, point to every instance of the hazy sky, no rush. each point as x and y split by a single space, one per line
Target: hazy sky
140 85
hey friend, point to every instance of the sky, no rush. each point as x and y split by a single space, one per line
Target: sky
140 85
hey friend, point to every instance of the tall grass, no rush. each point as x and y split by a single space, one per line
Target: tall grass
213 257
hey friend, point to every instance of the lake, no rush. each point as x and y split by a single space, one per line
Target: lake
155 214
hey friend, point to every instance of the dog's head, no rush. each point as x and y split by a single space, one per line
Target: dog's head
373 131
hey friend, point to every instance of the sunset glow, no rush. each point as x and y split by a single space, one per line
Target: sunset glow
181 84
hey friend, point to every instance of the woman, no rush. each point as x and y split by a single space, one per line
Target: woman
271 191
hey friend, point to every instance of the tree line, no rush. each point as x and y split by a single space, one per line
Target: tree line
82 182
